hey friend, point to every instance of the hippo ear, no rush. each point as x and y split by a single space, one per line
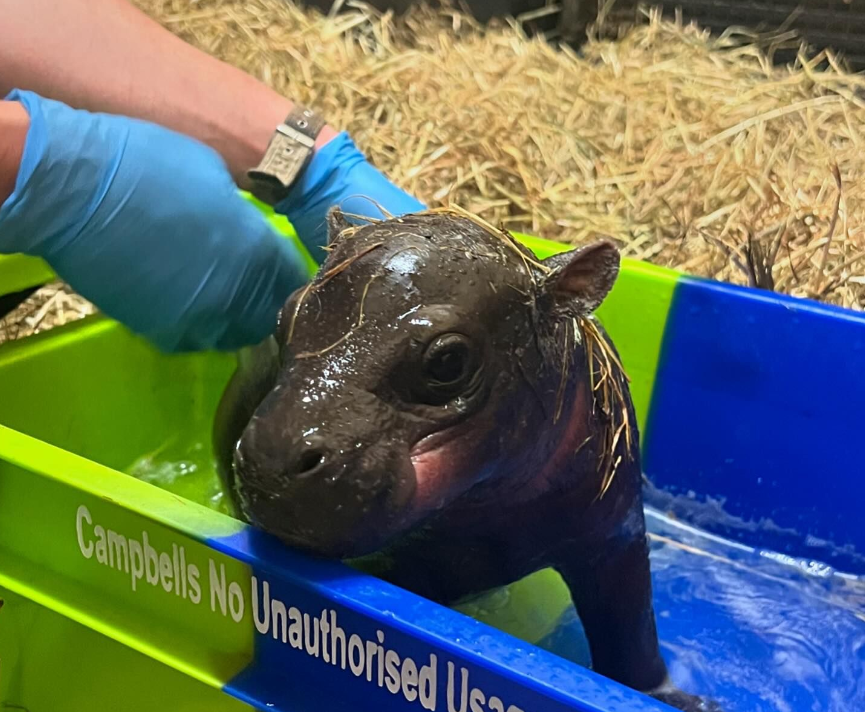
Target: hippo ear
336 223
582 278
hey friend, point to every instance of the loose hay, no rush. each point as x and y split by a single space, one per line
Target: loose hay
608 394
689 151
53 305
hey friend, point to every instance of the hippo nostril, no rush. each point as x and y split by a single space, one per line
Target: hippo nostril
309 462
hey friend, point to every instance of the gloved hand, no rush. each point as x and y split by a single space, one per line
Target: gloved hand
149 226
340 175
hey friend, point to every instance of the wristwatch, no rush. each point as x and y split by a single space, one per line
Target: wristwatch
288 154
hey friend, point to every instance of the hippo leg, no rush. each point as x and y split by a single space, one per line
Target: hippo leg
613 597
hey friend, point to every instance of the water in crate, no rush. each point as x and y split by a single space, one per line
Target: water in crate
755 630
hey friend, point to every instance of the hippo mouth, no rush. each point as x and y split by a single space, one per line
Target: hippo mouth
334 517
432 459
353 503
358 512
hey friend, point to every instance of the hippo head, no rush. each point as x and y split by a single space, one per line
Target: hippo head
413 370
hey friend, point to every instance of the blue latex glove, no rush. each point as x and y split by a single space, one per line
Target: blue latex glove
340 175
149 226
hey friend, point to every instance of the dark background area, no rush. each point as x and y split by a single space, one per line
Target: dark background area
824 24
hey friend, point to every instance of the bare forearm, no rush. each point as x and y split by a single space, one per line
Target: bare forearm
106 55
14 123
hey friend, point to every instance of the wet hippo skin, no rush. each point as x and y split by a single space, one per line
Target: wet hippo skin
442 410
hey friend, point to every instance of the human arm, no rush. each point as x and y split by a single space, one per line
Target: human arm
183 259
144 222
107 55
14 122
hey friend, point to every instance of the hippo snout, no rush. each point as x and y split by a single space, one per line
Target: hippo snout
267 456
325 496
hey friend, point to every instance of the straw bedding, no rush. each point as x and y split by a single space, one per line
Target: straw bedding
690 151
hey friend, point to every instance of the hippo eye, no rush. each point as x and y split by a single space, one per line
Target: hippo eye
449 365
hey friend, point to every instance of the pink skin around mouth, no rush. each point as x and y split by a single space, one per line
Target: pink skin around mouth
441 467
430 467
448 463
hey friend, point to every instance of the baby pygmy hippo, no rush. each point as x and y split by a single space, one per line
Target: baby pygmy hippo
439 401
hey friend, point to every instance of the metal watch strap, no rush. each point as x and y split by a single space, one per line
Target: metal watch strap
289 151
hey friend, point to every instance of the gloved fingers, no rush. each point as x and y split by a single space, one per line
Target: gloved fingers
147 224
360 196
340 175
361 207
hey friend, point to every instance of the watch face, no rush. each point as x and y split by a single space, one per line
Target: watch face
287 154
282 164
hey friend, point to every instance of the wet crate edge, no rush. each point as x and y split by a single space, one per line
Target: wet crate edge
200 610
